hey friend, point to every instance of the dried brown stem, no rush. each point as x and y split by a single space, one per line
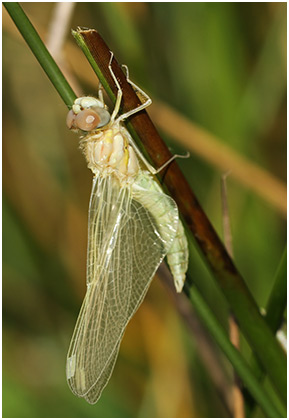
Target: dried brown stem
237 396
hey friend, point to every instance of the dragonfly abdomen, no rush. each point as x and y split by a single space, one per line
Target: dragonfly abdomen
177 248
178 257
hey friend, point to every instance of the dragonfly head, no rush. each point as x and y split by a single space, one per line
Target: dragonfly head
87 114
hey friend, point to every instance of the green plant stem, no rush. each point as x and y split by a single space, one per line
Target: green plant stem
242 304
274 315
240 365
278 298
33 40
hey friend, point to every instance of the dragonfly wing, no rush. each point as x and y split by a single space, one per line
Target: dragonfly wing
95 391
125 248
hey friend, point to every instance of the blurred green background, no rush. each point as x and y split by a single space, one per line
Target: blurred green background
223 67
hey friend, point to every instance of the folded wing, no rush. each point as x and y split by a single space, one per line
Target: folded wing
125 247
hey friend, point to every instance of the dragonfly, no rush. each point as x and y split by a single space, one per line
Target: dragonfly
132 226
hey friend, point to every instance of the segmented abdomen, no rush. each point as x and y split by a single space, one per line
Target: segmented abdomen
177 251
178 257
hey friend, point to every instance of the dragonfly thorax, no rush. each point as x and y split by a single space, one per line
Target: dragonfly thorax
109 152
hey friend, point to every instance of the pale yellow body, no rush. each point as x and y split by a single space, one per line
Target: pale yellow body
110 152
133 225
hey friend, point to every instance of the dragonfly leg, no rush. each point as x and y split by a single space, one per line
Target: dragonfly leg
100 93
151 169
156 171
137 89
140 94
119 91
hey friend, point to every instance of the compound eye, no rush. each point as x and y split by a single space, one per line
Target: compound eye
104 116
70 119
86 120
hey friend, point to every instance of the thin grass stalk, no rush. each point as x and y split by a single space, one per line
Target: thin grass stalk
238 399
41 53
242 368
274 314
278 297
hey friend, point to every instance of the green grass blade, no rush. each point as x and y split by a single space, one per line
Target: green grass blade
33 40
278 297
240 365
274 315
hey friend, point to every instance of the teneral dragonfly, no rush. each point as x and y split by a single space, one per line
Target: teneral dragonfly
133 225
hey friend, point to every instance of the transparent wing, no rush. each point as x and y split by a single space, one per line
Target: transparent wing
125 247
